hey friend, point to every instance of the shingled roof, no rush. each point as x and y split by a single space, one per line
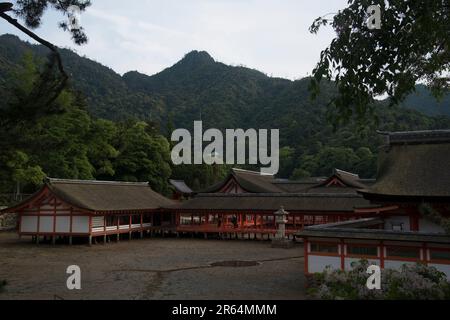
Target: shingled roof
272 202
413 164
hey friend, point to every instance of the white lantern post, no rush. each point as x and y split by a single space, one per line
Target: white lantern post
281 240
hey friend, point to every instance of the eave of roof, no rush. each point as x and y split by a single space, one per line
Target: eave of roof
373 234
296 202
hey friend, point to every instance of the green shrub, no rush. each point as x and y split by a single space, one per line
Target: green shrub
410 282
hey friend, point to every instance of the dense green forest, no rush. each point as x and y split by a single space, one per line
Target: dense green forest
115 127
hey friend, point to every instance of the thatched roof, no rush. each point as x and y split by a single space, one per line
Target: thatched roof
250 181
415 164
298 186
272 202
351 182
254 182
102 196
107 196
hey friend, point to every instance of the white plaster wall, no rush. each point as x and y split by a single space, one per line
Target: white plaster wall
349 261
80 224
28 224
430 227
63 224
397 220
46 225
445 268
319 263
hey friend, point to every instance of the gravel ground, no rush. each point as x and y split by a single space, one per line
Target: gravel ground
151 269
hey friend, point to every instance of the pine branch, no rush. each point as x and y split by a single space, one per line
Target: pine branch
64 77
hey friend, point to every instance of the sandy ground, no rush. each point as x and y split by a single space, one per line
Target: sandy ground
167 268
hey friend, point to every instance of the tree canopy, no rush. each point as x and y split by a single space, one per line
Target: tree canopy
32 11
70 144
412 45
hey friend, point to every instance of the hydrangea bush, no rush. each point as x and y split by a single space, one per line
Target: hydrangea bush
410 282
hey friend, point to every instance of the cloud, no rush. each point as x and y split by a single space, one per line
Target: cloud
150 35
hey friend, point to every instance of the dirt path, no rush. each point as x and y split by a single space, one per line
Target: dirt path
151 269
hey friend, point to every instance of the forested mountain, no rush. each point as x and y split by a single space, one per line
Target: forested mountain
223 96
423 101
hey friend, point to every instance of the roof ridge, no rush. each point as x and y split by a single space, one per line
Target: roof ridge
256 173
98 182
414 137
279 195
339 171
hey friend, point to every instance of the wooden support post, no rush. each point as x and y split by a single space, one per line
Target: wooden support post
129 235
142 234
70 240
118 237
53 240
37 239
90 240
104 239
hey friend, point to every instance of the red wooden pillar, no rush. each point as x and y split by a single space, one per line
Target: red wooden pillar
414 222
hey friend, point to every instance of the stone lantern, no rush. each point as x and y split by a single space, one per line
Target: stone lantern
280 240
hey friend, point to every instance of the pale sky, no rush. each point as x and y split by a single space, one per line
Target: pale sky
151 35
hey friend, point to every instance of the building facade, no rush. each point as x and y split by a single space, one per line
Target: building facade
409 201
67 209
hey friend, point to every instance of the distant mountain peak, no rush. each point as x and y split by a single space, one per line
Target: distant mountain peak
197 58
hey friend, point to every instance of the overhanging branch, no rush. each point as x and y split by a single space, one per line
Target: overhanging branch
50 46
